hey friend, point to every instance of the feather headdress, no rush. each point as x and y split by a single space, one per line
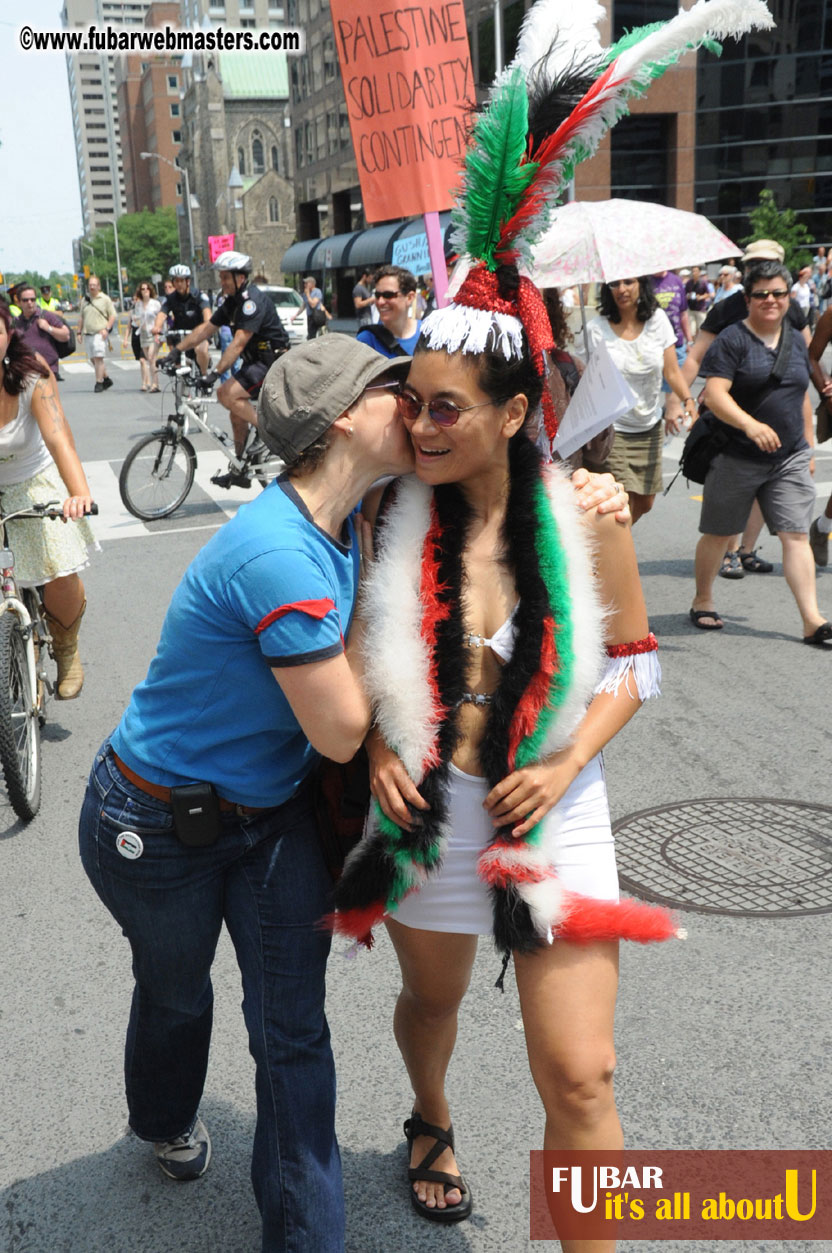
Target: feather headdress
547 112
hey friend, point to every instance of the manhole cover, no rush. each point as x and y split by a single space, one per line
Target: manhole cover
750 858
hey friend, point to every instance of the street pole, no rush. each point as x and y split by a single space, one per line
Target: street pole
114 225
118 267
190 218
146 156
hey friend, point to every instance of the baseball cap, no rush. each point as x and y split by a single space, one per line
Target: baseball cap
311 385
764 250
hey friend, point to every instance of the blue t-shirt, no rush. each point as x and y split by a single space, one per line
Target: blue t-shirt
739 355
367 335
271 588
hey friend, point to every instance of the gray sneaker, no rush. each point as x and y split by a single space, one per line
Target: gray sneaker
187 1156
819 544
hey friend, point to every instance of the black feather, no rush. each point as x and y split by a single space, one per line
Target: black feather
552 100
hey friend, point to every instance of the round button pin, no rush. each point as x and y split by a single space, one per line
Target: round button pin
129 845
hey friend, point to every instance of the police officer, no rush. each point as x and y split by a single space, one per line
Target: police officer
184 310
259 337
47 301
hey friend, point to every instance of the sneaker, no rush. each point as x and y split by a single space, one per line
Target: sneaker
233 478
819 544
186 1157
108 382
99 387
731 567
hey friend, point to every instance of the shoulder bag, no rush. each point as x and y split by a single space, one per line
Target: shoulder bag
709 437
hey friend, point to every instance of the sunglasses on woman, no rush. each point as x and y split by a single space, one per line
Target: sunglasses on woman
441 412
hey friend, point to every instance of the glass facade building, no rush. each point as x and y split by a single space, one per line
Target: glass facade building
764 119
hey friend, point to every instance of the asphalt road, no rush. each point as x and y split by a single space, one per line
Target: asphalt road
723 1040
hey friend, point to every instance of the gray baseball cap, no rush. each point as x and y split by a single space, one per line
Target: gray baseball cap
311 385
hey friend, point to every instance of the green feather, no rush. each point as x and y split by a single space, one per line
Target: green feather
638 33
555 574
495 176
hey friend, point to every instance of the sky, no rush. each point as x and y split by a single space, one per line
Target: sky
40 204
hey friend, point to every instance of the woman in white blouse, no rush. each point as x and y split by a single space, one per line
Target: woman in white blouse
642 343
142 319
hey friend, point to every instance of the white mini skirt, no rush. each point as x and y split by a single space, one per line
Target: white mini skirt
455 898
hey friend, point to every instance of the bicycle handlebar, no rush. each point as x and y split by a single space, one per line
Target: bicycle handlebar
52 509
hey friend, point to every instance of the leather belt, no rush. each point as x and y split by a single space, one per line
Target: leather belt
161 793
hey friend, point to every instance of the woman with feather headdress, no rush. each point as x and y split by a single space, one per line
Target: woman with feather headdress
496 676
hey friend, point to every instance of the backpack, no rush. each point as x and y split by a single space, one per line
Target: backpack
67 349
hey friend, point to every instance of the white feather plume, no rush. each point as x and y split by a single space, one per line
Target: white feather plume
708 19
575 25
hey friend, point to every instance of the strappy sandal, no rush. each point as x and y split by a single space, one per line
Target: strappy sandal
750 561
413 1127
731 567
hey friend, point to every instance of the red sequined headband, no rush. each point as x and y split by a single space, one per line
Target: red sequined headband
480 290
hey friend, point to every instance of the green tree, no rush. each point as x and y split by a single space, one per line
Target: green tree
148 244
769 222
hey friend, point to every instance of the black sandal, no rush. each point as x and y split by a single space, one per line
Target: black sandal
821 638
413 1127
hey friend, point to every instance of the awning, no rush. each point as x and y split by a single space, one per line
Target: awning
417 227
374 246
333 252
296 258
357 249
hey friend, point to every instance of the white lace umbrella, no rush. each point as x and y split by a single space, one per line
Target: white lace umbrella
604 240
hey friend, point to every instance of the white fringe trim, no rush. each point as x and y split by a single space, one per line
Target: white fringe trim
644 667
458 327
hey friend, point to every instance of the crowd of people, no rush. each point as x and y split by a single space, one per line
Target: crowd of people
490 813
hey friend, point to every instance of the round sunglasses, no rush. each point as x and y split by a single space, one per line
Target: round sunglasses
441 412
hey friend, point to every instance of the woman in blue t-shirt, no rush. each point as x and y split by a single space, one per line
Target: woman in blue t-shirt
757 385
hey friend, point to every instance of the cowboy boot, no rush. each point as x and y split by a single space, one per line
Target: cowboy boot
65 652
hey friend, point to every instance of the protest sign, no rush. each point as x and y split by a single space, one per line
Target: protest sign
601 396
412 253
218 244
408 86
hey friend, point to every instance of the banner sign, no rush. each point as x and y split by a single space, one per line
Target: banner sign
412 254
409 88
218 244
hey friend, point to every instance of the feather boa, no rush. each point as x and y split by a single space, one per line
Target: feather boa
416 674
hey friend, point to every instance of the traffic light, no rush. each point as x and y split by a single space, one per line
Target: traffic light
75 281
86 272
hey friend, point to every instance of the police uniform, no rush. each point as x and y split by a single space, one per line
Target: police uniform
251 310
184 313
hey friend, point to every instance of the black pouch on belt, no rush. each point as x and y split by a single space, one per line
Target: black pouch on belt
196 814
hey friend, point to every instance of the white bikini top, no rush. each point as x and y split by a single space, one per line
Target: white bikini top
501 643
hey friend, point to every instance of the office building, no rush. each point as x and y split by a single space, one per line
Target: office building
764 115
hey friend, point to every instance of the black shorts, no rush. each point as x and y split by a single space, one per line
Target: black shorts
251 376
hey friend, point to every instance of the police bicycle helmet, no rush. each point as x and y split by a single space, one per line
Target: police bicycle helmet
179 271
237 262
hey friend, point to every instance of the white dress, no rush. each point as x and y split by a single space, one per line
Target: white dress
455 899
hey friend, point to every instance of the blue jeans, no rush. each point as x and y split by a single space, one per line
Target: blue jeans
266 879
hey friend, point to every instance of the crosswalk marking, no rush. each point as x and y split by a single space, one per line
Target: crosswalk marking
84 367
114 522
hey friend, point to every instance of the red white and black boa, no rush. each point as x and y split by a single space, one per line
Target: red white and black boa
416 674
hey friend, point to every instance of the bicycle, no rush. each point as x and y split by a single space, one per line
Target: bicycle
25 642
158 472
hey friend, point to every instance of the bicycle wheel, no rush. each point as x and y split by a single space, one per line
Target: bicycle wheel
157 474
19 723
